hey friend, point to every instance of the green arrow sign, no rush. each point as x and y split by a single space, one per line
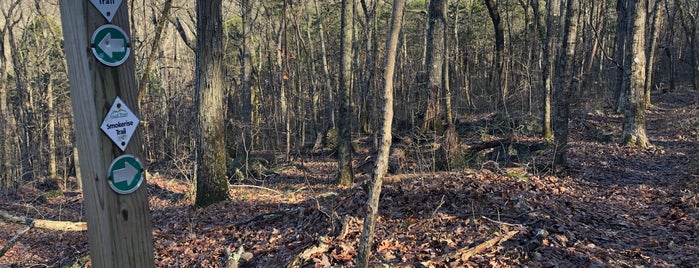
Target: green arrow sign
125 174
110 45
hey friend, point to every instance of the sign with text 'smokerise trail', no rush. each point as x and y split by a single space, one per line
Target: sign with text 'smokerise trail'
119 124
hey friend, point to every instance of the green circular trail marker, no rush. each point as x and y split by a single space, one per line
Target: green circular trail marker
110 45
125 174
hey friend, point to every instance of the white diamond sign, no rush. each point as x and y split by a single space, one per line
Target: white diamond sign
119 124
107 7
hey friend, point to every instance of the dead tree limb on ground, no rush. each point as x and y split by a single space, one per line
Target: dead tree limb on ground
13 240
466 253
67 226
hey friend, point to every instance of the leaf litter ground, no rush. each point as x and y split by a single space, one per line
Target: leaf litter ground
613 207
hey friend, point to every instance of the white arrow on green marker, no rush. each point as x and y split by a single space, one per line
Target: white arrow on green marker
126 174
109 45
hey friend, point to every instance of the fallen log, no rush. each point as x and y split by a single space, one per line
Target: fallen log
322 247
466 253
66 226
490 144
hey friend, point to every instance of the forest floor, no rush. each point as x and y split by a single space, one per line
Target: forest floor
612 207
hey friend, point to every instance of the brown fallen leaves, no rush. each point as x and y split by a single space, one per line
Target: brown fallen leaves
614 206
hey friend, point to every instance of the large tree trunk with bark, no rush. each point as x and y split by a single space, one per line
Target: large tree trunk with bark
372 206
436 116
344 148
212 183
634 130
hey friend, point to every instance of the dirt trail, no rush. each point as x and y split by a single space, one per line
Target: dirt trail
632 207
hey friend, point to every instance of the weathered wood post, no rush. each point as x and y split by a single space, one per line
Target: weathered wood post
104 99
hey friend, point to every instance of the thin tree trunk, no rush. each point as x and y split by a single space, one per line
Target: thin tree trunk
669 49
5 112
689 20
566 73
655 24
545 33
620 47
51 128
326 68
372 206
154 49
344 153
498 77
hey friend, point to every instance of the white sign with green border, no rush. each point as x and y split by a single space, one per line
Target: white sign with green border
125 174
110 45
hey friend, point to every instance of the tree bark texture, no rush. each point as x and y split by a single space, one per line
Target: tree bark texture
212 183
566 82
372 206
545 33
653 31
620 47
435 116
344 148
498 76
634 129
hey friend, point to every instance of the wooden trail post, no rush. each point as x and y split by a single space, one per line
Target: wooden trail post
104 99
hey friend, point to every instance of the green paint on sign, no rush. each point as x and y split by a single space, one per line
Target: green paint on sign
125 174
110 45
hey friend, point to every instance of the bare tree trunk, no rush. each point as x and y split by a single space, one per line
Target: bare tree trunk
6 117
620 47
212 183
655 21
344 142
372 206
566 82
51 127
367 72
155 47
246 75
435 116
326 68
634 130
689 19
498 76
546 30
669 49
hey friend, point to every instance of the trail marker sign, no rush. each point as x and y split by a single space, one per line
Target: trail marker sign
125 174
119 124
107 7
110 45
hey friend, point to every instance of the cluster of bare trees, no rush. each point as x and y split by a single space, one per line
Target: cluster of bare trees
292 71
